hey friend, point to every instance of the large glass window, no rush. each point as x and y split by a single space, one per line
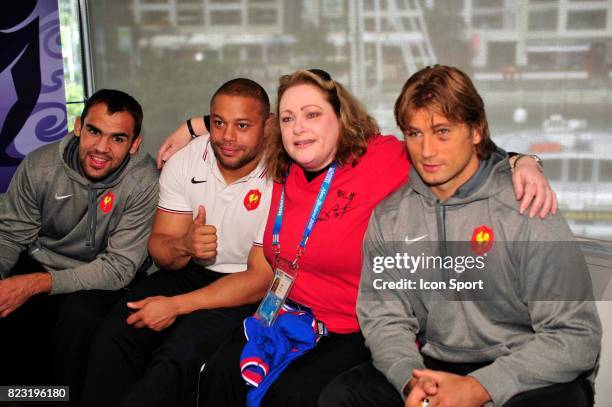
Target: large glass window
605 171
587 19
73 64
543 19
542 66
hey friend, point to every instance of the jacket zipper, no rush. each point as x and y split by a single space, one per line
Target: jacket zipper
441 226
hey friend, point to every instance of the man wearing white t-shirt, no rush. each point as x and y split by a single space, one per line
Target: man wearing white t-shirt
207 235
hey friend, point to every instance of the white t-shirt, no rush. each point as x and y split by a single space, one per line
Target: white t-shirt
239 210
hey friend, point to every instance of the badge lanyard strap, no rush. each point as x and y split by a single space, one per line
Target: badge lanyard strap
314 214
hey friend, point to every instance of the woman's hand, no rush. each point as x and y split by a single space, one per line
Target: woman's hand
532 188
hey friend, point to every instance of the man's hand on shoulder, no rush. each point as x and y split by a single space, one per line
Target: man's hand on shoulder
156 313
16 290
200 241
451 390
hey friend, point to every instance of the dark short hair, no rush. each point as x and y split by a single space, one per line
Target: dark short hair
246 88
447 91
116 101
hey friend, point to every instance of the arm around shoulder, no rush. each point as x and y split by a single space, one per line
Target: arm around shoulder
180 138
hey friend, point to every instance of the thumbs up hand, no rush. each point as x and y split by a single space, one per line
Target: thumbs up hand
200 219
200 241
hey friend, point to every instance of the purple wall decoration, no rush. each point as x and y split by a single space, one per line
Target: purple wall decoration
32 98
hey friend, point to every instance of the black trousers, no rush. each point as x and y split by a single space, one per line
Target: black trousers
366 386
141 367
299 385
46 340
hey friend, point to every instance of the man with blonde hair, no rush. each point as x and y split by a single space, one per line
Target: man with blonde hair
504 314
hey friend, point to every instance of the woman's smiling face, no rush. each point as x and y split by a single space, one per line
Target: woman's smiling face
309 126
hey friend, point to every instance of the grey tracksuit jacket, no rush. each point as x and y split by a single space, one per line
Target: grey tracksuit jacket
530 339
64 221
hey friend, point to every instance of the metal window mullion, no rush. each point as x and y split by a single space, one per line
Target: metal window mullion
86 48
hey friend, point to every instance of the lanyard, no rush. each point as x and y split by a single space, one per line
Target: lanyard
314 214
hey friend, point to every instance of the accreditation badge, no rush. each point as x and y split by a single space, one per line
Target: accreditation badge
284 276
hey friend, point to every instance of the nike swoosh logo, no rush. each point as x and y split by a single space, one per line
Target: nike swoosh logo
195 181
416 239
59 197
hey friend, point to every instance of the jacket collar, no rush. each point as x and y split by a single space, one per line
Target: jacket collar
479 186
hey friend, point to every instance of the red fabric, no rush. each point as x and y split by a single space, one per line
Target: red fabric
328 277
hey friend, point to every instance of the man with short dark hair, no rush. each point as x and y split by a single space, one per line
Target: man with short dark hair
74 222
207 236
463 301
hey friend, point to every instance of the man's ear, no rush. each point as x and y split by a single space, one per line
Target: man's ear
136 144
77 126
269 124
476 135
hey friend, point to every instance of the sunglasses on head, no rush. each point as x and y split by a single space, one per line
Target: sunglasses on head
321 74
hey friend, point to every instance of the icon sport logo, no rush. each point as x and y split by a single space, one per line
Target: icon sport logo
252 199
107 201
482 239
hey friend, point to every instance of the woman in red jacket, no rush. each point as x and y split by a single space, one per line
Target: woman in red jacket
327 153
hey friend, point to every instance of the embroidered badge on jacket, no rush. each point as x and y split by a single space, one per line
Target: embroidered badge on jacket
107 201
482 239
